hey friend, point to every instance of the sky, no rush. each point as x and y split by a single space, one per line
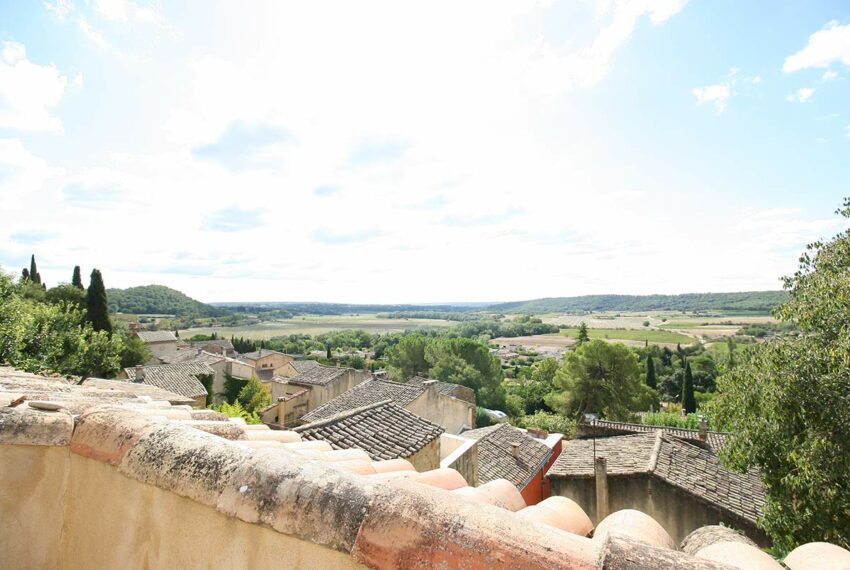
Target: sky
400 152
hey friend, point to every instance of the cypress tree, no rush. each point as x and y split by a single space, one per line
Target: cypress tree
650 373
34 275
97 311
77 280
582 335
689 403
25 274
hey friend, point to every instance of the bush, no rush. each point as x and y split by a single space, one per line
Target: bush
550 422
235 410
482 418
669 419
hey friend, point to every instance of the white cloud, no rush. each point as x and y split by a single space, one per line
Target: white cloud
830 44
60 8
829 75
717 94
465 174
801 95
28 91
720 93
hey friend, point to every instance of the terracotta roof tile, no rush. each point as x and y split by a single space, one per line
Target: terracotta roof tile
496 457
364 394
383 430
179 378
692 469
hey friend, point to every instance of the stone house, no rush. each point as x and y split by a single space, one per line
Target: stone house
311 386
222 365
679 484
267 363
158 343
426 399
520 456
384 431
187 379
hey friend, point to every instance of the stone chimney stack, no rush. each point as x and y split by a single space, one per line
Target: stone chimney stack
430 385
515 450
703 429
139 373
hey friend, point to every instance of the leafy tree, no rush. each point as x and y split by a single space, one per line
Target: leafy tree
77 280
598 377
97 311
254 397
689 404
650 373
135 350
469 363
582 336
408 356
533 388
233 387
25 274
65 293
788 403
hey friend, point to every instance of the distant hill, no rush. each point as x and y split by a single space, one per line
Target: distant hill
342 308
158 299
748 301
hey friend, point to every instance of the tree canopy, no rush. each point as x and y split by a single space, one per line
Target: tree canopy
788 403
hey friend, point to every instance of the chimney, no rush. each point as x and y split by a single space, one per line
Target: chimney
703 429
600 471
140 373
515 450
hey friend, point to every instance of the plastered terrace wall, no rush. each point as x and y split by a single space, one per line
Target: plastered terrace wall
62 510
461 454
451 413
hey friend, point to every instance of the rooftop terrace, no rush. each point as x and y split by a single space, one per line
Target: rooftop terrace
94 477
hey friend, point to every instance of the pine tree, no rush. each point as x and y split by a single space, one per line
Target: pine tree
650 373
689 403
582 335
77 280
34 275
97 310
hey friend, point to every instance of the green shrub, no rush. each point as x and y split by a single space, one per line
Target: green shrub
550 422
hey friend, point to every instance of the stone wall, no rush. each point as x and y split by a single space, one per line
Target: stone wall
428 457
451 413
678 512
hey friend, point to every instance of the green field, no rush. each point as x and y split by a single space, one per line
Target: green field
318 324
650 335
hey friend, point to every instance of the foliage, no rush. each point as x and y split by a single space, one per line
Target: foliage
598 377
650 373
482 418
38 336
458 360
581 335
77 279
533 388
689 403
253 396
233 387
437 315
97 311
135 351
235 410
554 423
207 381
64 293
788 403
159 300
670 419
